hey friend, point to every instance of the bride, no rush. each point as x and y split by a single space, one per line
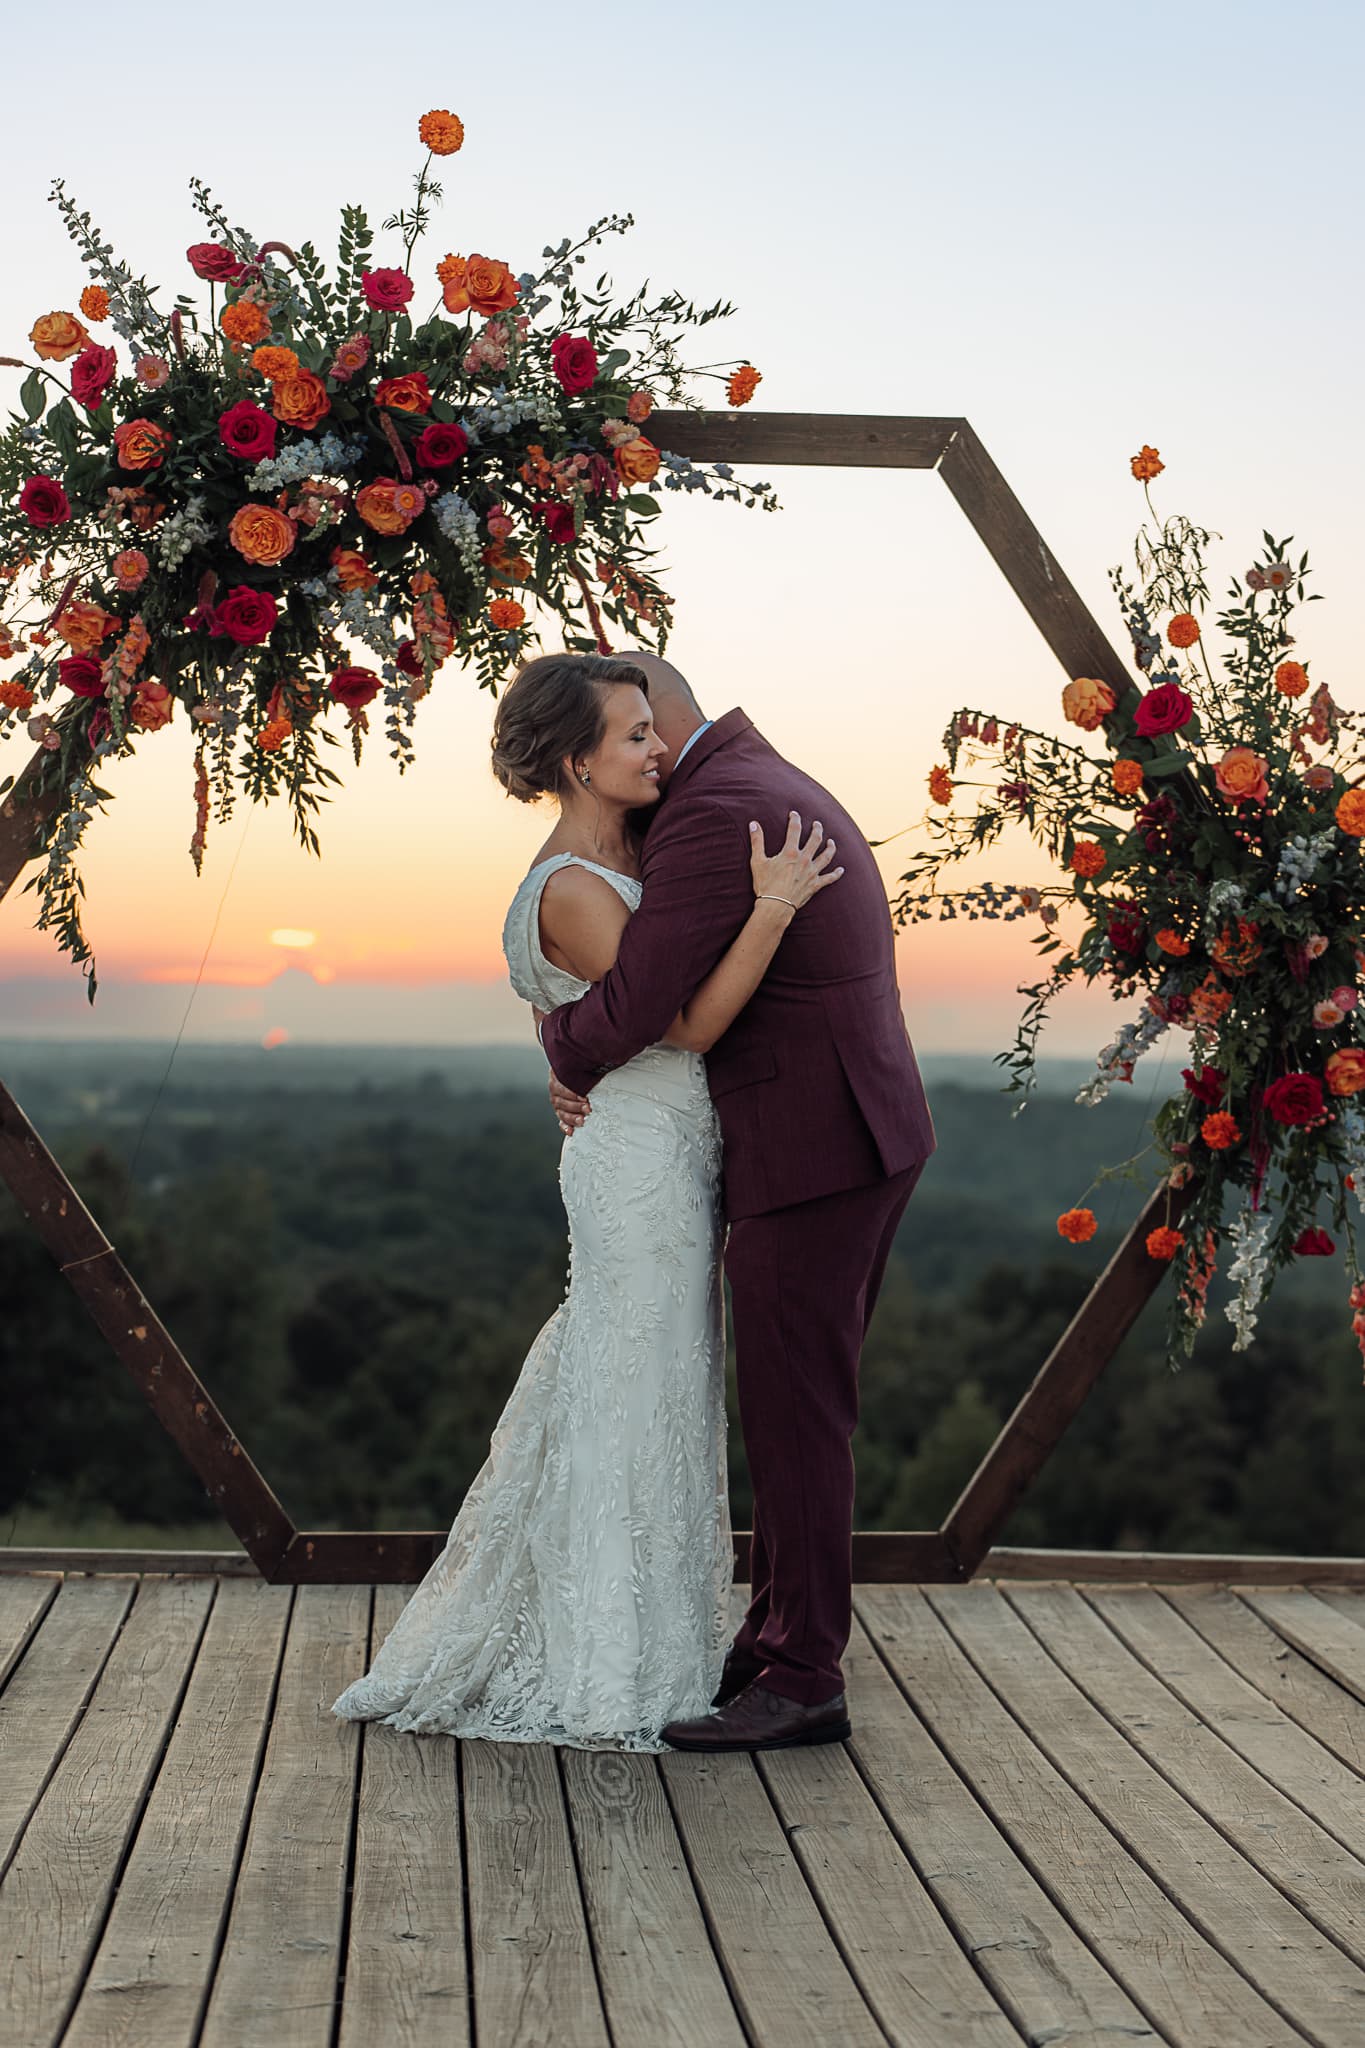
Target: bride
583 1593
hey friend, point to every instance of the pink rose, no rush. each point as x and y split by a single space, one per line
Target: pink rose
245 615
248 431
214 263
91 375
438 445
575 361
386 290
1344 998
44 503
1164 709
499 523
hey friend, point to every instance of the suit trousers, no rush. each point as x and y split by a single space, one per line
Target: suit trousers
804 1282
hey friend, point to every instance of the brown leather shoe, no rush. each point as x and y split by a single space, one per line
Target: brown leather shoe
758 1719
736 1673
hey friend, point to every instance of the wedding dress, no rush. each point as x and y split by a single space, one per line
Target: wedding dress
583 1593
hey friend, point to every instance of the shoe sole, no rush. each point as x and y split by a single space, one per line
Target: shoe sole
840 1732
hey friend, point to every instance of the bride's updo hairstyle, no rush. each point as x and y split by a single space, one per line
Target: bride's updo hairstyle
553 707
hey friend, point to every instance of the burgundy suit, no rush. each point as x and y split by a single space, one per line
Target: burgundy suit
826 1130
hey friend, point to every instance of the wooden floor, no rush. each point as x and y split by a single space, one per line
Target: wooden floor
1068 1815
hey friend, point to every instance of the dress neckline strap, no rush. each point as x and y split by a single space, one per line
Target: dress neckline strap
581 860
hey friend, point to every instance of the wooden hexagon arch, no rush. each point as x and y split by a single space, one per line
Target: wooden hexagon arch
183 1405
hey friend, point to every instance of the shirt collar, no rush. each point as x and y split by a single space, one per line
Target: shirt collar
691 740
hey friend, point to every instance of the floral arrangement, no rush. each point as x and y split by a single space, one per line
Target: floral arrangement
1212 863
312 495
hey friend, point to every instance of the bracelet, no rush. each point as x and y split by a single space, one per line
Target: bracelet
768 897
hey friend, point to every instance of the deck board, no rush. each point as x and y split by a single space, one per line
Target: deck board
1079 1816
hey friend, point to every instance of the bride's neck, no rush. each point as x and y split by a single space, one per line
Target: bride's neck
599 830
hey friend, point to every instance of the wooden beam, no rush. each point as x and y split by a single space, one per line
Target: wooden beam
24 810
178 1399
1171 1568
818 439
1028 564
1078 1358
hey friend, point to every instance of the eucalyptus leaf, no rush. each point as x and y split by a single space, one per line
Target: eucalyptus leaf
33 395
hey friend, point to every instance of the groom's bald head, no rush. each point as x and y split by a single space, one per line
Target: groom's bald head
677 713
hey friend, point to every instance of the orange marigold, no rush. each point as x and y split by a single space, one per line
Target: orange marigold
940 785
1220 1131
1126 777
272 362
244 322
1164 1243
95 302
1350 813
1076 1225
1291 678
16 697
1172 943
1088 858
442 132
1183 630
1146 464
272 737
743 384
506 614
1210 1002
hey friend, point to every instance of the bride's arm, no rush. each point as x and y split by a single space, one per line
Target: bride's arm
582 918
783 882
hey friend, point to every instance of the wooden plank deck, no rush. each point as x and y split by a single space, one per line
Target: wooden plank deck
1072 1814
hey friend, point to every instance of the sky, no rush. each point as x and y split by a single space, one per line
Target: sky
1082 227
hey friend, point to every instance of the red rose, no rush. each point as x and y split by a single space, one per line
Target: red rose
210 260
558 521
354 687
385 290
248 431
91 375
81 673
1127 928
1205 1086
575 361
1164 709
408 658
44 502
1314 1244
437 446
1294 1099
246 615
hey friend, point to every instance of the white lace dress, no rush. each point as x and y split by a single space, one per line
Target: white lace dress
582 1596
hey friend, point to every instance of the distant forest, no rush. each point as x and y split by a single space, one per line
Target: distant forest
355 1250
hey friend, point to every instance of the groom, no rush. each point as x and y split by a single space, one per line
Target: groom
825 1130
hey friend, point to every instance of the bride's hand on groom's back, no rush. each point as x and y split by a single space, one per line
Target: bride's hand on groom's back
798 870
570 1110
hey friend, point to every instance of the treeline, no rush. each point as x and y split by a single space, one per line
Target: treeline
356 1268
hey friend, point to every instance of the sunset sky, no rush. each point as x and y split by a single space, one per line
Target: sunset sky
1081 227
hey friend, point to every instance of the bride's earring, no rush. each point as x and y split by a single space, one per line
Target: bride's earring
585 778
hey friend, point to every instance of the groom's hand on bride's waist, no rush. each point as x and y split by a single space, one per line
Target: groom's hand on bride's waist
569 1108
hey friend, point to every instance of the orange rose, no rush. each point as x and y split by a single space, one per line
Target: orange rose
261 534
506 614
1291 678
1087 702
83 626
481 282
1345 1071
353 571
1236 953
244 322
300 401
57 336
1077 1226
387 506
1172 943
273 362
1241 776
505 568
142 444
940 785
639 406
743 384
95 302
1183 630
1164 1243
638 461
1210 1002
1350 813
410 393
1220 1131
1088 858
1126 777
151 707
441 132
1146 464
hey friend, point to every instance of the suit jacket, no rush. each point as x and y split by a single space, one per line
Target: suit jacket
815 1084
